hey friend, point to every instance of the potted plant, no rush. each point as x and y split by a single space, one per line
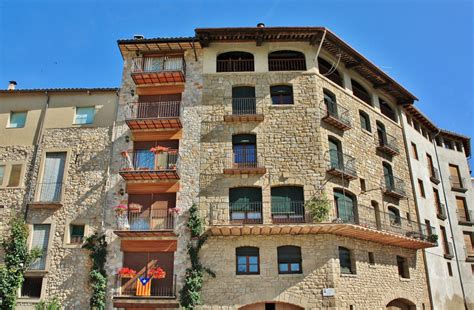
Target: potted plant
174 211
318 208
157 273
433 238
125 272
159 149
134 207
120 210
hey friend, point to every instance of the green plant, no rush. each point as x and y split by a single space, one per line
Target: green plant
318 208
17 258
190 294
433 238
97 247
53 304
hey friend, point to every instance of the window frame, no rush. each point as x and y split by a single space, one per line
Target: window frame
351 261
402 266
71 228
421 188
289 262
20 291
75 121
414 151
365 119
272 96
9 124
247 260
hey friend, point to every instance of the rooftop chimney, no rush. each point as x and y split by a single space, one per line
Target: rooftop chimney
260 25
138 37
11 85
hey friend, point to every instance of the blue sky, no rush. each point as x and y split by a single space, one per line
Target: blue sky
426 45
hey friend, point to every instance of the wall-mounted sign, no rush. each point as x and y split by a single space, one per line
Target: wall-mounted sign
329 292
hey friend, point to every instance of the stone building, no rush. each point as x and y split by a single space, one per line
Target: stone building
54 157
444 197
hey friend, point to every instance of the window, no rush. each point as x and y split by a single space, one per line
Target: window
439 142
414 151
345 261
235 62
17 120
439 208
371 258
289 259
31 287
76 234
445 243
336 157
431 166
365 121
360 92
402 264
462 211
329 71
287 204
394 216
281 94
84 115
421 188
469 242
52 180
244 149
286 61
450 269
248 260
40 241
448 144
455 177
363 187
472 269
15 176
270 306
428 227
2 174
387 110
388 176
243 100
458 146
245 204
416 125
330 103
345 206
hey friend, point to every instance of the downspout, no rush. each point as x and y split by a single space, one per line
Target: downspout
36 143
449 219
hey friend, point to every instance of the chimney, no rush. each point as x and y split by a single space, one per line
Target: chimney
138 37
11 85
260 25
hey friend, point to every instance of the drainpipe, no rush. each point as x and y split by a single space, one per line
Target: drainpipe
36 143
449 219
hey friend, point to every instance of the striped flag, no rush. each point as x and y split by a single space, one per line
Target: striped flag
143 286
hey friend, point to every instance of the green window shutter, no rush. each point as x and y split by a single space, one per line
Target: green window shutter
284 198
345 207
242 198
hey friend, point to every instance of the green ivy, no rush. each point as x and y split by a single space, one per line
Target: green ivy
97 247
17 258
190 294
53 304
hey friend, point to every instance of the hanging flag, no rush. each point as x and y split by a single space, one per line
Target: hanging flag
143 286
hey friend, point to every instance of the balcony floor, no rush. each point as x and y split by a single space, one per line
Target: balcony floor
145 302
394 194
346 230
145 233
144 175
342 174
154 123
387 150
162 77
336 123
250 170
243 118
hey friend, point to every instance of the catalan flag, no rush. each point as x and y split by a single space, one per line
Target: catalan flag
143 286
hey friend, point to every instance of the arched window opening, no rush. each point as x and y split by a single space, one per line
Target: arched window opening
394 216
365 121
235 62
329 71
345 206
360 92
336 158
286 61
387 110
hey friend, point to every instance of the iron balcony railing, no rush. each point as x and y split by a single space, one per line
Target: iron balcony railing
148 220
465 216
246 212
132 287
245 106
243 159
336 111
341 162
287 64
288 212
146 160
40 262
392 184
441 210
458 182
147 110
46 192
235 65
158 64
385 140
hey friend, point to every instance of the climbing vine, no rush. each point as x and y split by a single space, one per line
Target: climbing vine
17 258
97 247
190 294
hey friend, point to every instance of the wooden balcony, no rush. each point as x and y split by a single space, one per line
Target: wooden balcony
147 116
341 165
158 70
145 165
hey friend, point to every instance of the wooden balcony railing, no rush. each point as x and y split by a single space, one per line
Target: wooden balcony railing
287 64
235 65
393 186
341 165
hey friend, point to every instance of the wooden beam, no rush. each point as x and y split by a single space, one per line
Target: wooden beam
259 39
376 86
353 65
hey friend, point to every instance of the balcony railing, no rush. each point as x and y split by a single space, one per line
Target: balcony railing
153 115
144 164
465 216
393 186
246 212
158 64
458 183
46 192
243 161
448 250
132 287
387 143
288 212
40 262
148 220
336 115
235 65
249 109
340 164
287 64
441 211
434 175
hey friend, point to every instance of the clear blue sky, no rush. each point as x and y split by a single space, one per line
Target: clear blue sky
426 45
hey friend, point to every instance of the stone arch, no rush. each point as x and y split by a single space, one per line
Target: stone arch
401 304
277 306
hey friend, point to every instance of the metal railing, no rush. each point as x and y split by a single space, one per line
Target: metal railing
341 162
145 110
242 159
246 212
46 192
235 65
332 109
288 212
40 262
149 220
457 182
157 288
441 210
384 139
393 184
244 106
145 160
286 64
465 215
158 64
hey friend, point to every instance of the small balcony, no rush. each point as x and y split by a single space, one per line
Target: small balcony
158 70
145 165
434 175
46 196
336 115
387 144
288 212
465 217
147 223
341 165
154 115
243 161
244 110
458 184
441 211
246 213
393 186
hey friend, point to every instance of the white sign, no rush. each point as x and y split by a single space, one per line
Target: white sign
329 292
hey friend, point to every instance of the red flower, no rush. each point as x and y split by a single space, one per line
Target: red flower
159 149
126 272
157 273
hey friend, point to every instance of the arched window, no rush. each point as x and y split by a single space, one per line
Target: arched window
328 70
381 133
394 216
243 100
336 160
345 206
365 121
244 147
346 261
248 260
289 259
286 61
387 110
330 102
281 94
287 204
235 62
360 92
245 204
